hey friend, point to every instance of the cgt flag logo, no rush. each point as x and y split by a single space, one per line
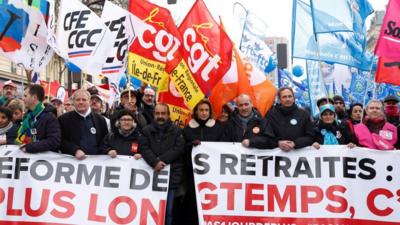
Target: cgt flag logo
207 49
156 47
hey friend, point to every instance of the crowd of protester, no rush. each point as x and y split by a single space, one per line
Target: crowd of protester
141 127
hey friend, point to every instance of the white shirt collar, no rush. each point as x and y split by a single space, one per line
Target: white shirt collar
86 114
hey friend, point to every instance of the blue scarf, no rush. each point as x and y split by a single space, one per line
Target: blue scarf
329 137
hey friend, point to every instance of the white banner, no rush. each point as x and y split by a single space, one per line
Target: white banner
51 188
333 185
119 21
82 37
34 53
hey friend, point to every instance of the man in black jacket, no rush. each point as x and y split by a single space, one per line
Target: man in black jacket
147 104
246 125
162 144
40 130
291 126
82 130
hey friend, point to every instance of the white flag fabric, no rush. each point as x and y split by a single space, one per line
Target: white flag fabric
34 53
119 21
82 37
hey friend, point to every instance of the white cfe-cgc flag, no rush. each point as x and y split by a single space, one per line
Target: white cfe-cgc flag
81 37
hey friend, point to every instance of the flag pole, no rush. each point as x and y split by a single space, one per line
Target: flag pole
49 89
245 21
129 88
366 89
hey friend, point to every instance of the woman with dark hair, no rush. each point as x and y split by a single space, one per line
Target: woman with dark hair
8 130
124 141
225 113
201 128
330 131
355 113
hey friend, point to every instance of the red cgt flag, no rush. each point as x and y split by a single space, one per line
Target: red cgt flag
388 71
206 47
157 44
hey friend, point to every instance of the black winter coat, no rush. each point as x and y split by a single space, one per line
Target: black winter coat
203 131
123 145
255 131
293 124
70 123
341 130
165 144
48 133
235 132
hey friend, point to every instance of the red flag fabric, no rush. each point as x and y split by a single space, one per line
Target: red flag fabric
206 47
388 71
389 39
156 47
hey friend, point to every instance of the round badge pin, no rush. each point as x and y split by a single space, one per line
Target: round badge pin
338 134
293 122
256 130
93 130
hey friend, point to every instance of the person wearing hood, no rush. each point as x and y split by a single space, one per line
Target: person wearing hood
8 130
126 140
290 125
330 131
40 130
246 125
392 109
202 127
375 132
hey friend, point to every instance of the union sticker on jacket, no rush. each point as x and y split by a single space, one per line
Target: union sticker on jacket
388 135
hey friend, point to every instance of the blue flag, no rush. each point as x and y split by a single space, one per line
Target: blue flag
346 48
316 85
339 15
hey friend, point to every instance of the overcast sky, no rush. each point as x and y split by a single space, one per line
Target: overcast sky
277 14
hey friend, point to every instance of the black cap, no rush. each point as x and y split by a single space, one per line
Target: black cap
338 98
391 98
319 101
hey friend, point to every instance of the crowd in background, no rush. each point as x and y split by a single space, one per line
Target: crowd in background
141 127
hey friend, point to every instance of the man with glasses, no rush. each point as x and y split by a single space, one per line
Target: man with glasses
340 107
147 104
68 105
